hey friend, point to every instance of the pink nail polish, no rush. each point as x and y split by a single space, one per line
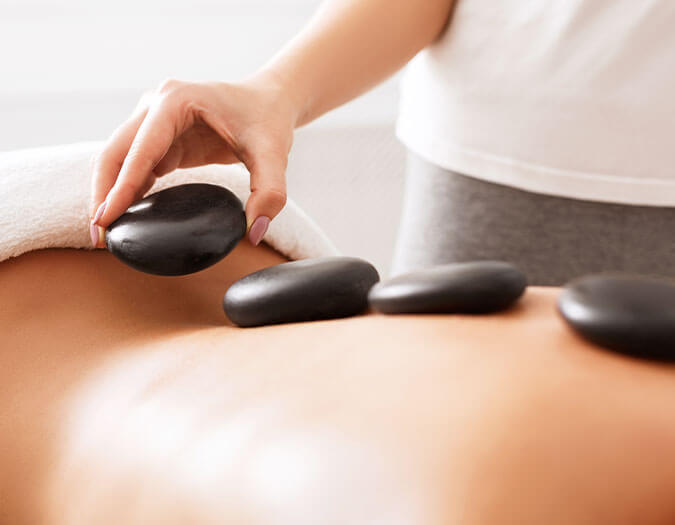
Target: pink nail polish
93 232
258 229
100 211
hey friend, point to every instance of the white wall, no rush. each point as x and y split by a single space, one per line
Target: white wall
73 70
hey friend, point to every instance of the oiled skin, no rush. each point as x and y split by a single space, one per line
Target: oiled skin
127 398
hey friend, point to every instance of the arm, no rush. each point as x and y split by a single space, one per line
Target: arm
349 46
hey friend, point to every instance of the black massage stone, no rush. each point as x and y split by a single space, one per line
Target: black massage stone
628 314
470 288
305 290
179 230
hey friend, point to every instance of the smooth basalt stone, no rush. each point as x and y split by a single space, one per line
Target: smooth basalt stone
179 230
628 314
305 290
471 288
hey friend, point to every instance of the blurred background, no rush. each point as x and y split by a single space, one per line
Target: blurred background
73 70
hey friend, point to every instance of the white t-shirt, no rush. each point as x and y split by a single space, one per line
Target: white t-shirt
574 98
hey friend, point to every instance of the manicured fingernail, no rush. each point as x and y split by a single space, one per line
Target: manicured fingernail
100 211
101 236
93 231
258 229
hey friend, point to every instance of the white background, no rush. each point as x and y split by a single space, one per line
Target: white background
72 70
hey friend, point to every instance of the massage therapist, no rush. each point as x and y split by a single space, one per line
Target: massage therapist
542 133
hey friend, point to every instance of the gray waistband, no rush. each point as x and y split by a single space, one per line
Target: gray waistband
448 217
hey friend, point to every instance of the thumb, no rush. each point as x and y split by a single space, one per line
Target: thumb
268 193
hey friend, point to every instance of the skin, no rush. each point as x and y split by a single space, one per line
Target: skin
348 47
128 398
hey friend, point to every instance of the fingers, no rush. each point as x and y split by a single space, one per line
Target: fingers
170 161
268 192
262 148
109 161
151 143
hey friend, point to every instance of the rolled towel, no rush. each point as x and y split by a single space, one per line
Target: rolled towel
45 192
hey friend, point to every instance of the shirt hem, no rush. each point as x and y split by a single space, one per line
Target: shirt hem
537 178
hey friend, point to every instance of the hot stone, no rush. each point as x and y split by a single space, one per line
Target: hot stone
304 290
468 287
179 230
629 314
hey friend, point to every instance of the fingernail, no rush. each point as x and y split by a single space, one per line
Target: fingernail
101 236
93 232
258 229
100 211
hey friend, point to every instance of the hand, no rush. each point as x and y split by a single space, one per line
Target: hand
184 124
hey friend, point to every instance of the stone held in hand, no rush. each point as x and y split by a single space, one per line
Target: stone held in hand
468 287
630 314
299 291
178 230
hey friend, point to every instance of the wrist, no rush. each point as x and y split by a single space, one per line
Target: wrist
285 89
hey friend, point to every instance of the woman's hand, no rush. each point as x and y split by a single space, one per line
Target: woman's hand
185 124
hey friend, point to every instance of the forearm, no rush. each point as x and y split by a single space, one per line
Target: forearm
349 46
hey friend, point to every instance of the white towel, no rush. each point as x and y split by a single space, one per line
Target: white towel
44 202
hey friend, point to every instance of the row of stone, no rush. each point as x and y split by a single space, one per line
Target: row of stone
331 287
629 314
187 228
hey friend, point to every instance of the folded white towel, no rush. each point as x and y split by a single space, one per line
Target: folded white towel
44 202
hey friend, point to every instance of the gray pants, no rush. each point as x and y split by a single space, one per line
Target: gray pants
448 217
